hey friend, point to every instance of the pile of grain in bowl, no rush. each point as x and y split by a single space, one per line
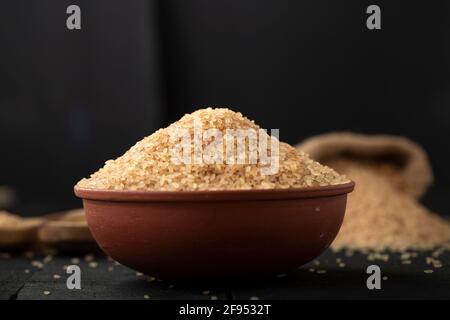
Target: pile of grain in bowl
148 165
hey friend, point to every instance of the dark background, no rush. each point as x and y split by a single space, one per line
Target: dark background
69 100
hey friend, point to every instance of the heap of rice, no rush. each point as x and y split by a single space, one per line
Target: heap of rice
148 165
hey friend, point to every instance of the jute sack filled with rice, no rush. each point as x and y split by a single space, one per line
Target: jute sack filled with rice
402 161
391 173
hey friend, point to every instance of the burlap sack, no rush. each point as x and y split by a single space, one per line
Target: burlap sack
404 162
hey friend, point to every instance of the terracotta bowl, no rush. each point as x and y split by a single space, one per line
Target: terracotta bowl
215 234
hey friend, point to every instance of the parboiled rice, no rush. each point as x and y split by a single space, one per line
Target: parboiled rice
148 164
381 216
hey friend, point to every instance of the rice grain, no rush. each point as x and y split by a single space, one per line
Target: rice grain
148 165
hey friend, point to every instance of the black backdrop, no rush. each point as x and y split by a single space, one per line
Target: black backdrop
71 99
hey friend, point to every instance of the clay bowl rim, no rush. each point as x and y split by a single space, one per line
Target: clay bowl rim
214 195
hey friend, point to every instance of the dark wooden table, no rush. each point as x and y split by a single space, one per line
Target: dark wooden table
331 276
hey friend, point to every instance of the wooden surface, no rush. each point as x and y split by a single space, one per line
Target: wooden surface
104 279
